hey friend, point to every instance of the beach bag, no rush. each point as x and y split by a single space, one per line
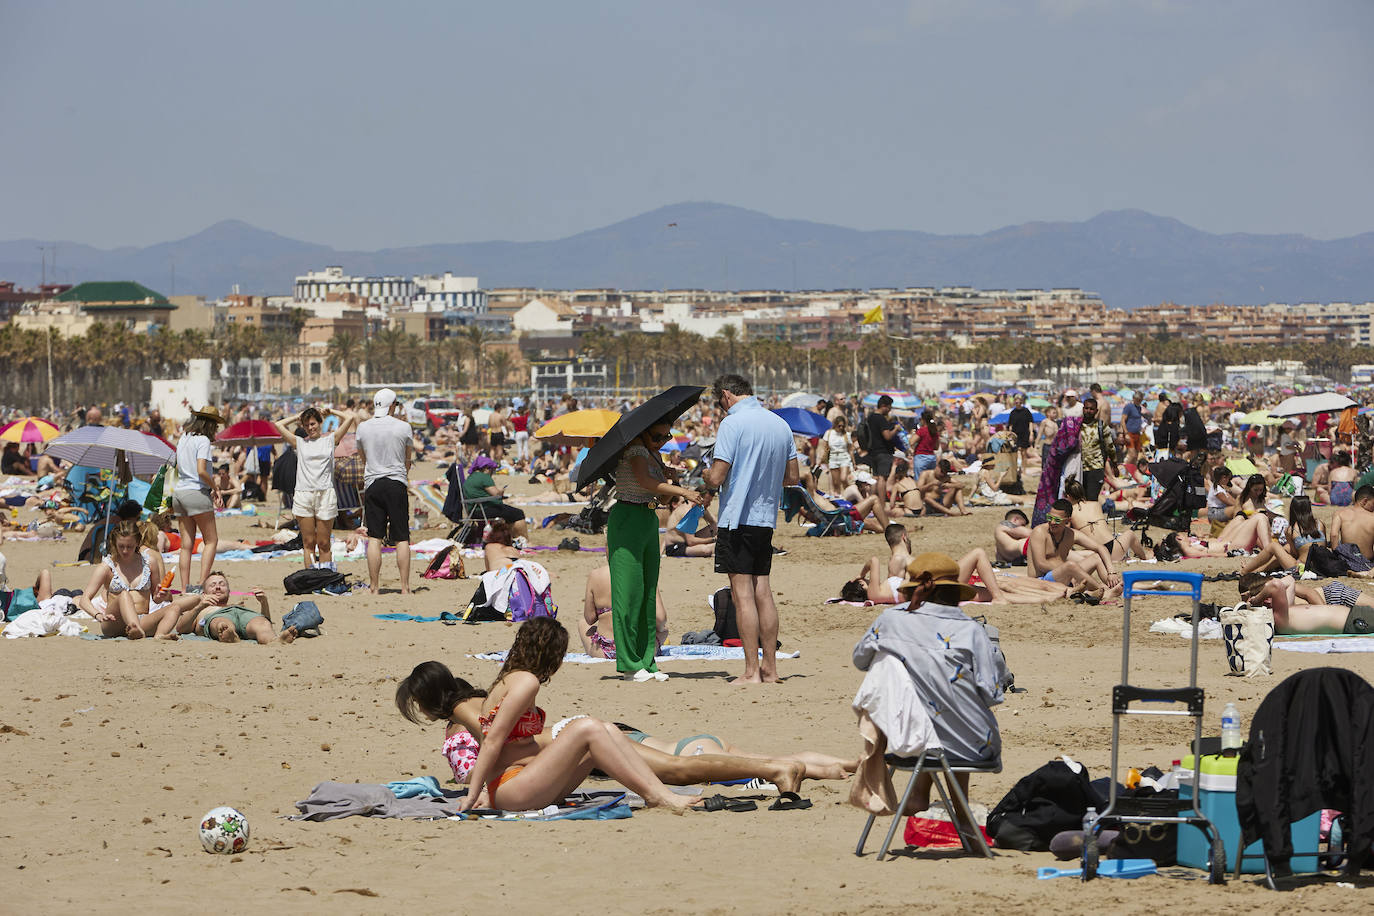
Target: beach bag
155 499
1248 633
524 603
935 832
1286 486
479 609
447 564
1041 804
305 581
1325 562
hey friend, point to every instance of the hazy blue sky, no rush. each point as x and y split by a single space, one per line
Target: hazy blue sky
378 125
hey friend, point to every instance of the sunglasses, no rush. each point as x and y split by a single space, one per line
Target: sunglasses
1054 520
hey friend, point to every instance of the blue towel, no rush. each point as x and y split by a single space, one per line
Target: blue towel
415 788
416 618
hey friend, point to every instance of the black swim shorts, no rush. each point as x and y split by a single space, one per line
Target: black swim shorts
744 551
386 510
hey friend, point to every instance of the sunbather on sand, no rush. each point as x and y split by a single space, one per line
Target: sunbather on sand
1299 608
857 510
1088 519
512 769
1090 573
1010 537
596 632
698 543
125 594
878 581
431 693
939 493
212 615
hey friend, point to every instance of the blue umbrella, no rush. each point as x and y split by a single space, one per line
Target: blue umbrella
803 422
1004 418
902 400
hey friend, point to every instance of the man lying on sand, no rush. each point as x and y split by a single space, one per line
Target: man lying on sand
1300 608
216 618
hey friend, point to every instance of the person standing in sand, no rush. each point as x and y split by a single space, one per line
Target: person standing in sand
386 446
754 459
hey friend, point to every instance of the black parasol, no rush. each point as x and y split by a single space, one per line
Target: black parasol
661 408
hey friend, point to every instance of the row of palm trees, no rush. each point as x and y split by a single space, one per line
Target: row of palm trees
112 363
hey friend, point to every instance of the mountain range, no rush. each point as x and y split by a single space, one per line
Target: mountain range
1130 257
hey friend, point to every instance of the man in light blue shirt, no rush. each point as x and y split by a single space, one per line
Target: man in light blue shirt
754 459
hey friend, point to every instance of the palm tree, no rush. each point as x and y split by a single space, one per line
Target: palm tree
476 337
501 365
343 352
277 345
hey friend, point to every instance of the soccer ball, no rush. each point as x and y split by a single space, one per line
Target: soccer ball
224 830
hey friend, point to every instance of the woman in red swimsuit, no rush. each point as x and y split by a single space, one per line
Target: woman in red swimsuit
514 773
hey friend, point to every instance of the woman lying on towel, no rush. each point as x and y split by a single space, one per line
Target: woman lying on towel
431 693
512 771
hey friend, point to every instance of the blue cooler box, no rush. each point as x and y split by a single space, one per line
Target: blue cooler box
1217 788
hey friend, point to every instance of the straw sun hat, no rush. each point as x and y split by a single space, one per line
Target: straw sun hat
209 412
941 569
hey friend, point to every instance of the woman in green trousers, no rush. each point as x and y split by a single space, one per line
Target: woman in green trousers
632 545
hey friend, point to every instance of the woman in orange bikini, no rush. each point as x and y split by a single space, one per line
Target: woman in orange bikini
513 772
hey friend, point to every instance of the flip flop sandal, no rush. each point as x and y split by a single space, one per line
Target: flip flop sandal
790 801
722 803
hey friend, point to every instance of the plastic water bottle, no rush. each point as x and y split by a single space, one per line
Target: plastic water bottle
1089 818
1230 728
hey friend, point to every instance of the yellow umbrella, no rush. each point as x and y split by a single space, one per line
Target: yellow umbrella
1242 466
581 427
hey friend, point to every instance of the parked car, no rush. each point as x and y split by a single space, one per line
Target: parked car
432 413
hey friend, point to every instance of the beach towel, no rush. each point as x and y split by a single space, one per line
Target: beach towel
330 801
666 654
1065 444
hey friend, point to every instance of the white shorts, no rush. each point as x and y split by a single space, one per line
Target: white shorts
320 504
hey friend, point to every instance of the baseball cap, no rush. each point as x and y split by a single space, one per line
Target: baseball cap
382 401
1070 392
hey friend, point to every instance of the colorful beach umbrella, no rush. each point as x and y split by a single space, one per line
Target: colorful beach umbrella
903 399
29 429
678 443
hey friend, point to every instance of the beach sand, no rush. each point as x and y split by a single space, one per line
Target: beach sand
111 751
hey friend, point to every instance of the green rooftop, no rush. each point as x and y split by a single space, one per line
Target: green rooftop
113 292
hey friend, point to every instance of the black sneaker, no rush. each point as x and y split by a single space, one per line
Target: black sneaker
779 552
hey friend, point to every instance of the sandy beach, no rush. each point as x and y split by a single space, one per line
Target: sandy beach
112 750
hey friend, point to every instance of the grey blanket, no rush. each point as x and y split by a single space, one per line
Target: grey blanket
331 800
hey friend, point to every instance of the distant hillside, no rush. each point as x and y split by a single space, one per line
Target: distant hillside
1130 257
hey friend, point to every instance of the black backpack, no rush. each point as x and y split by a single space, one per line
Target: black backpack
305 581
864 435
723 603
1043 803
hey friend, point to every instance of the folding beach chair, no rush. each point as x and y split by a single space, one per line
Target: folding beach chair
942 769
465 513
348 488
796 499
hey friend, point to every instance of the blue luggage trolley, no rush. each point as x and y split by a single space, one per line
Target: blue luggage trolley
1124 694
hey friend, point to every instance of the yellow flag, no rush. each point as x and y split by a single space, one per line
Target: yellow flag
875 316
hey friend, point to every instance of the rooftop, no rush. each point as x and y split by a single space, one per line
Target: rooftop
113 292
